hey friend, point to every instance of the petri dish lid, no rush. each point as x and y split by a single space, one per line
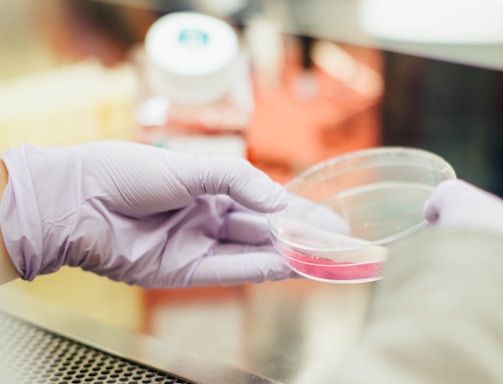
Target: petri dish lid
364 198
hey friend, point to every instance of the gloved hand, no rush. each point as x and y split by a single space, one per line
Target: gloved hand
140 214
457 204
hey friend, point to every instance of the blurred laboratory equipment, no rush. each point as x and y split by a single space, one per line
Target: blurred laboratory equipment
195 86
434 21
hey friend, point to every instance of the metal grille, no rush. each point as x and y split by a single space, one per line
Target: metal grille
29 354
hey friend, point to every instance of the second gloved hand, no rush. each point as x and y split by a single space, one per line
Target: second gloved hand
456 204
140 214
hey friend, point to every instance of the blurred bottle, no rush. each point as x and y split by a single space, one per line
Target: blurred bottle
195 86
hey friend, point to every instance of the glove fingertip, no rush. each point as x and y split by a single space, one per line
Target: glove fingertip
430 213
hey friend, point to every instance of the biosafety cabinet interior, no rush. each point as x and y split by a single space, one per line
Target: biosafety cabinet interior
445 97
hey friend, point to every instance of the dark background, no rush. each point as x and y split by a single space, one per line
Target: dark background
451 109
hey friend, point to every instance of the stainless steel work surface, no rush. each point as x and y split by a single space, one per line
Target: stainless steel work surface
32 354
43 344
292 332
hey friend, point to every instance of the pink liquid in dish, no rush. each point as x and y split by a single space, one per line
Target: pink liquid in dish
328 270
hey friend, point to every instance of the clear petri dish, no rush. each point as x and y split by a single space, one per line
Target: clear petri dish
345 212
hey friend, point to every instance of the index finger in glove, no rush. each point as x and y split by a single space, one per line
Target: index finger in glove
237 178
141 180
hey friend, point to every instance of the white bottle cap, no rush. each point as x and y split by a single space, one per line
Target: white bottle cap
192 57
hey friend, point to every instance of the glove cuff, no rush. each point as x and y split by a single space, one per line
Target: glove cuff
20 217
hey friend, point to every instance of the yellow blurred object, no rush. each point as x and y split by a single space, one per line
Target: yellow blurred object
67 105
87 294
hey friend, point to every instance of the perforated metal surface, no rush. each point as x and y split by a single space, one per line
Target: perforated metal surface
29 354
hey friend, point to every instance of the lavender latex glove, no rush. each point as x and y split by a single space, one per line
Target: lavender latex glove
457 204
140 214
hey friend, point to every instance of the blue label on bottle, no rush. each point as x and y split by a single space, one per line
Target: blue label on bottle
193 38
